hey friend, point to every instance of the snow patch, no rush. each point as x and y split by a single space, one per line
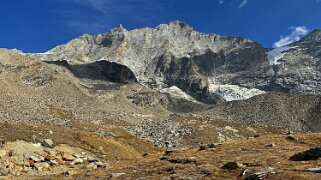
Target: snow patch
42 56
176 92
233 92
277 54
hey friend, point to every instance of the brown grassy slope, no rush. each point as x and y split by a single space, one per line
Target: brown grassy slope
253 153
119 145
124 154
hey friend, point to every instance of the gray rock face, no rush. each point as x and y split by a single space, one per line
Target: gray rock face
175 55
171 55
299 69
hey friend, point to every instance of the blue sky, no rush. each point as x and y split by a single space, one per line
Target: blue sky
39 25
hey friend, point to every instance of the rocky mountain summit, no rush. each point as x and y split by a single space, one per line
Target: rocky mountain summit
209 67
174 55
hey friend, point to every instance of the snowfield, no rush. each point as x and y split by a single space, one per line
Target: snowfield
277 54
233 92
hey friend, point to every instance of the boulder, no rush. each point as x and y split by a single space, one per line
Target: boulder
92 166
2 153
37 158
77 161
59 160
3 170
260 175
68 157
101 164
232 165
47 143
311 154
314 170
117 175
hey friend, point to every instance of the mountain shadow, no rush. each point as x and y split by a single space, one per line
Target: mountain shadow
100 70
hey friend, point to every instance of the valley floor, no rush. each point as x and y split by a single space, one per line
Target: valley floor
119 155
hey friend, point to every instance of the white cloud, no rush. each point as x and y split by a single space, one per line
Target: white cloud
243 3
296 34
221 2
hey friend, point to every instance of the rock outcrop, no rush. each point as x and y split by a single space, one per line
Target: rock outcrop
311 154
173 55
176 55
298 70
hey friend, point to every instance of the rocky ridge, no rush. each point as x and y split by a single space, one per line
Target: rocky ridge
299 68
173 55
176 55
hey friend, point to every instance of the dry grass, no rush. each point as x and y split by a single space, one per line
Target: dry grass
125 154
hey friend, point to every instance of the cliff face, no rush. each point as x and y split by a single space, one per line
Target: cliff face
209 67
299 69
172 55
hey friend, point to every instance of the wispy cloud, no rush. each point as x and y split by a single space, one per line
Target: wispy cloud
220 1
99 15
84 26
296 34
243 3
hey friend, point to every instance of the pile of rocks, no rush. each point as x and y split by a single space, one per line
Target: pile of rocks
40 77
56 158
167 133
20 157
147 99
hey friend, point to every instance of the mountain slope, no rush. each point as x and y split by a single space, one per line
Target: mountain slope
288 111
173 55
35 91
299 68
209 67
